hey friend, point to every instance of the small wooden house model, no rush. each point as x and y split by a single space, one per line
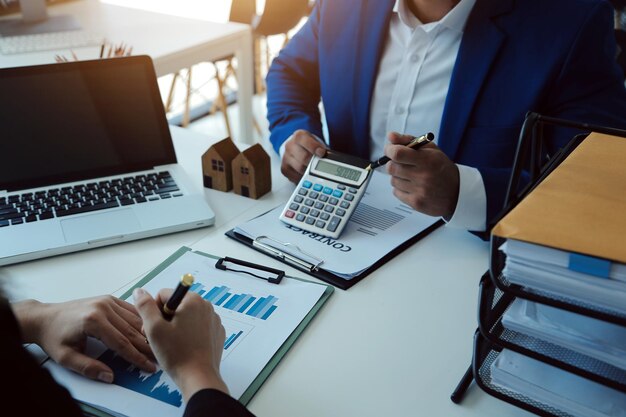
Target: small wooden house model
251 172
217 165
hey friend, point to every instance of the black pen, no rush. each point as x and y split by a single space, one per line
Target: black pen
172 304
415 143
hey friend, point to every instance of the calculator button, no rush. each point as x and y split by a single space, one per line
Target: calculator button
319 205
323 198
300 217
352 190
302 191
294 206
340 212
341 187
329 209
348 197
317 187
310 220
320 224
307 184
313 194
289 214
334 224
345 205
333 201
309 202
304 210
299 199
325 216
327 190
337 193
315 213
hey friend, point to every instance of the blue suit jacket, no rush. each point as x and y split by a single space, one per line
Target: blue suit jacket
555 57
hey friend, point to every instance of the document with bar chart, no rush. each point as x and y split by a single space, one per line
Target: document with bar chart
258 318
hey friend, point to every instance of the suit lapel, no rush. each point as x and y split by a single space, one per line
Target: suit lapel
372 34
480 45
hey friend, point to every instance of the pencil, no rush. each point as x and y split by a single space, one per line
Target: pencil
102 50
415 143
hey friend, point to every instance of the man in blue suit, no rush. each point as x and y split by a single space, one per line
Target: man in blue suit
467 70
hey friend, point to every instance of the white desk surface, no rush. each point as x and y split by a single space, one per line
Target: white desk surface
395 344
174 43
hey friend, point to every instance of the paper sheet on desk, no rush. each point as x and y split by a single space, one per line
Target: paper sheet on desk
379 224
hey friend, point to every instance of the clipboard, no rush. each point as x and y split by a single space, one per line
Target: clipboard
315 269
280 353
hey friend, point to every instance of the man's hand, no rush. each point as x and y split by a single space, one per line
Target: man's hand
299 150
425 179
62 330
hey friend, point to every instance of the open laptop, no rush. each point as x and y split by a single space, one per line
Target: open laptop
87 160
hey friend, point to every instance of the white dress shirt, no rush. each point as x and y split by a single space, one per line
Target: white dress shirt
410 93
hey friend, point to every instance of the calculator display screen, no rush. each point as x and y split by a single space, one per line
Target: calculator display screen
338 170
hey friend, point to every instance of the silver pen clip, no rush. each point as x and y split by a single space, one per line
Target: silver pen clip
287 257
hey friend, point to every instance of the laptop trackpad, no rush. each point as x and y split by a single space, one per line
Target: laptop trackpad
113 224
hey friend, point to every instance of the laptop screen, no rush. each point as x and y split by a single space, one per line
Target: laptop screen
80 120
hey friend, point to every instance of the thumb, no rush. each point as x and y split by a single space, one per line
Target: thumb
146 307
86 366
398 138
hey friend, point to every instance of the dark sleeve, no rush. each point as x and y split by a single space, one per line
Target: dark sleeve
293 88
28 385
214 403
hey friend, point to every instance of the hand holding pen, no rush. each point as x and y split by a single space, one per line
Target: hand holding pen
415 143
428 180
188 347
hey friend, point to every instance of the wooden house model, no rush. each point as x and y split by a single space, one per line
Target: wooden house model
217 165
251 172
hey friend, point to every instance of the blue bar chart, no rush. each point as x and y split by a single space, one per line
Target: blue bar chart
157 385
231 339
259 307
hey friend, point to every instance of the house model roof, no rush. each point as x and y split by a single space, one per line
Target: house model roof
226 149
256 155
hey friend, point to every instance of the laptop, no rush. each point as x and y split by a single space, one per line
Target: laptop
87 160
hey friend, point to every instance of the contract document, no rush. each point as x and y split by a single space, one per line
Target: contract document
379 225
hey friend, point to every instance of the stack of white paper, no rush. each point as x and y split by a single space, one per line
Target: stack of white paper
547 270
556 388
595 338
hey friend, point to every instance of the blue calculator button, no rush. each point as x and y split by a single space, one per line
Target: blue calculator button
328 190
337 193
307 184
318 187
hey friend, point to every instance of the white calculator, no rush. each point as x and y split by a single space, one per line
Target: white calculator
327 194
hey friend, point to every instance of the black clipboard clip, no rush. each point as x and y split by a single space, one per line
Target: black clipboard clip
287 253
221 264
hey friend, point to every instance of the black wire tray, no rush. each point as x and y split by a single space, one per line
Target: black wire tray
485 354
493 303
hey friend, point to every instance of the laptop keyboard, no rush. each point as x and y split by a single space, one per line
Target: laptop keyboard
84 198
